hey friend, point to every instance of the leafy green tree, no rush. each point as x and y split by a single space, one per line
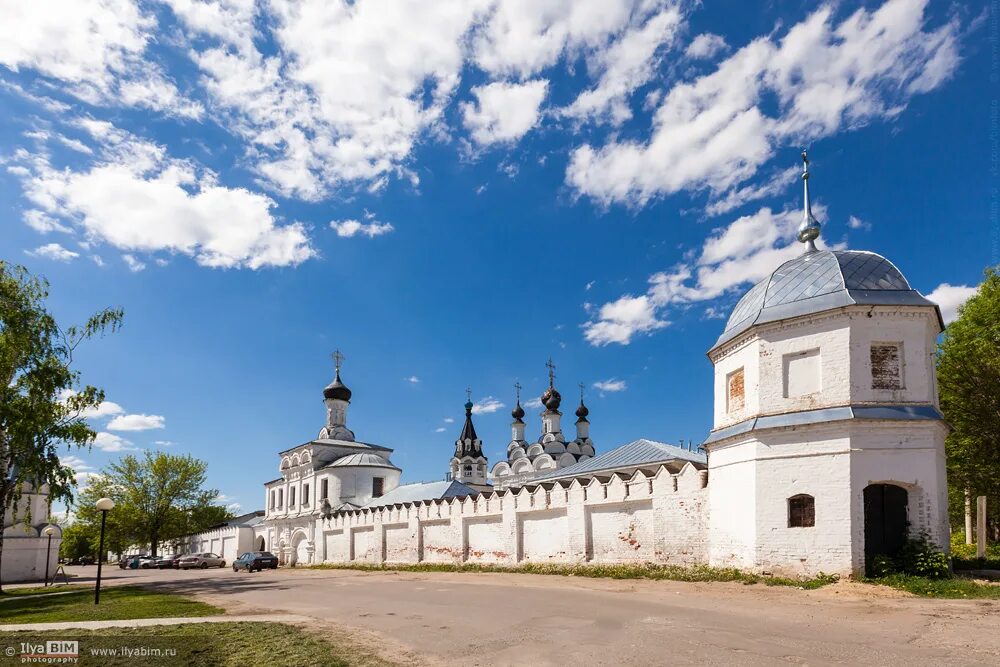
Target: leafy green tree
969 384
41 401
158 497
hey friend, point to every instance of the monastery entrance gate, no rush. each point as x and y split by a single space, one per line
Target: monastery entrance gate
885 520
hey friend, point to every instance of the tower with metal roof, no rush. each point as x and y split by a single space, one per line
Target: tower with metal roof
468 465
828 446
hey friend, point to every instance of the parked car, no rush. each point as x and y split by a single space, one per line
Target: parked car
147 562
255 560
201 561
82 560
168 562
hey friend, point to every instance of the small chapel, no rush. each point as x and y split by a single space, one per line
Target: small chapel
826 450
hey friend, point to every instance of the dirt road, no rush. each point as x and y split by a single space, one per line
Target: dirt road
509 619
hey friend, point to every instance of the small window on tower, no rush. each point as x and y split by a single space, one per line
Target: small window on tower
801 511
378 484
325 489
305 494
291 497
734 391
887 369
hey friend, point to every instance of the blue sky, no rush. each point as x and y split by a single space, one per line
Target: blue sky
451 194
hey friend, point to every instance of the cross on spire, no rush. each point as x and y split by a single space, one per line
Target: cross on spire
338 359
552 371
517 388
468 394
582 387
809 229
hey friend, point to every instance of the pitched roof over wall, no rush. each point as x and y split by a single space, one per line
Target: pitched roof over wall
636 454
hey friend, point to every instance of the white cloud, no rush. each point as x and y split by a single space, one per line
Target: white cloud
42 223
949 298
413 379
533 403
439 429
743 252
486 406
109 442
137 422
53 251
134 264
349 228
105 409
854 222
449 420
95 48
611 386
715 132
504 112
629 62
164 443
138 199
705 46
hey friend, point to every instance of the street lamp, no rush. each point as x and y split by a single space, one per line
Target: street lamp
50 531
104 505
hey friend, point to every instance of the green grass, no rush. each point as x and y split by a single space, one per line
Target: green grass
951 587
43 590
117 602
964 555
212 645
611 571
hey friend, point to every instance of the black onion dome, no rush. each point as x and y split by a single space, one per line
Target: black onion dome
582 411
337 390
518 412
551 399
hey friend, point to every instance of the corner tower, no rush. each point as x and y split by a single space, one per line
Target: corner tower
336 398
828 446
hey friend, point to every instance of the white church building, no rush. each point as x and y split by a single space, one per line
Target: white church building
827 448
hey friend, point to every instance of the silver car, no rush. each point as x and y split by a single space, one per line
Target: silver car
201 561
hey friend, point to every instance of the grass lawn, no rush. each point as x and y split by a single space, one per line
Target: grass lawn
952 587
42 590
617 571
209 645
117 602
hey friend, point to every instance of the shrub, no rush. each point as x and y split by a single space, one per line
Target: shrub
918 558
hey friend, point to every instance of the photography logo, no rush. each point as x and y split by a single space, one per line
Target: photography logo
49 652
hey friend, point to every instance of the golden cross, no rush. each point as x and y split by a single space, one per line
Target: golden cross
338 358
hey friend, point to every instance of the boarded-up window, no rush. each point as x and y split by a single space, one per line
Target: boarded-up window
377 486
801 511
802 373
887 370
734 391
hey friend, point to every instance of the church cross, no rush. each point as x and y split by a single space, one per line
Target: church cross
552 371
468 394
517 387
582 387
338 358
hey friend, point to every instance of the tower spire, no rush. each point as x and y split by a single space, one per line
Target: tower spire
809 229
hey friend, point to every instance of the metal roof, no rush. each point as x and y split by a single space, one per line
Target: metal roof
819 281
410 493
900 412
637 453
364 459
355 444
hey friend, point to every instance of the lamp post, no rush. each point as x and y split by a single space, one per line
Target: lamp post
104 505
50 531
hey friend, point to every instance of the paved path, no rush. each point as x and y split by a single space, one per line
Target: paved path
508 619
145 622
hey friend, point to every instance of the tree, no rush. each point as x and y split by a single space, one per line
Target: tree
41 402
969 384
158 497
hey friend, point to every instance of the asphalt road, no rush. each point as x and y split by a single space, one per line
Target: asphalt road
508 619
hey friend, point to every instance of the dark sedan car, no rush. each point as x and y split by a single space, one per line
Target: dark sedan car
167 563
255 560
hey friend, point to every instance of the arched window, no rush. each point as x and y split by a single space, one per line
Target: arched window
801 511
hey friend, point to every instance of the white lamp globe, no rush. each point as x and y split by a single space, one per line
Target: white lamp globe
50 531
105 504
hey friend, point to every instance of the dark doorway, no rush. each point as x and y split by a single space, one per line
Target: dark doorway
885 520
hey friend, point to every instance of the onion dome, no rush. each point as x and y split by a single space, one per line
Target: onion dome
582 411
551 399
337 390
518 412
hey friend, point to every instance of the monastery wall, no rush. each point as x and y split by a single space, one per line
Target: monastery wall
660 517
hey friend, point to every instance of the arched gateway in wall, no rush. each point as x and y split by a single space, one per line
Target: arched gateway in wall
259 544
